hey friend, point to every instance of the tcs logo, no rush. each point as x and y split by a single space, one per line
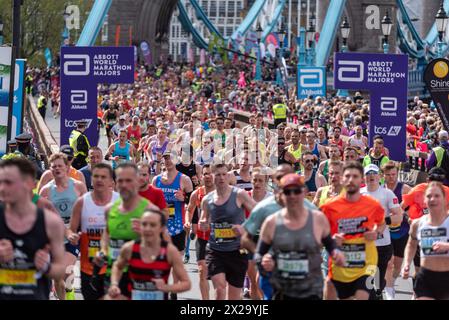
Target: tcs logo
76 64
311 78
350 71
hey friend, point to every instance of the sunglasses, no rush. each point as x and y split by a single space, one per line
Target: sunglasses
309 161
295 191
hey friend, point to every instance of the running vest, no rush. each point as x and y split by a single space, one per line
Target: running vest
298 260
427 235
280 111
142 274
358 143
311 184
316 152
63 201
324 196
404 227
295 153
175 223
326 170
201 193
189 171
242 184
222 237
122 153
92 227
120 228
19 279
40 102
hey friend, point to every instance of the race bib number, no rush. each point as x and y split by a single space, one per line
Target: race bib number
355 255
114 248
223 232
146 291
171 212
147 295
18 277
93 248
293 265
429 237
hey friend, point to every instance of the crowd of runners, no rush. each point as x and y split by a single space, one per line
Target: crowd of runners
304 210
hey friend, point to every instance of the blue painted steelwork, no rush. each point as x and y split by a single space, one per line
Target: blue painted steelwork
201 15
252 15
329 31
94 23
275 19
188 26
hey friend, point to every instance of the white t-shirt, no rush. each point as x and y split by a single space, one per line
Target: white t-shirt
389 201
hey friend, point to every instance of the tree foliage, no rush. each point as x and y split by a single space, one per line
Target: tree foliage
42 24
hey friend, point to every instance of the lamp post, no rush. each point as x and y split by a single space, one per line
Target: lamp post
441 21
345 29
258 73
310 34
65 33
386 31
1 31
282 34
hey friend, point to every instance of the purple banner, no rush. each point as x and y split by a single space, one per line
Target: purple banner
82 69
386 77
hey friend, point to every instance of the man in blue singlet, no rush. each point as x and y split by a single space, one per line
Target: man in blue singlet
121 151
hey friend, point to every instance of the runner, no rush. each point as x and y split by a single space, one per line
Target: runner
399 235
149 261
393 217
359 141
295 236
177 189
148 191
88 216
110 117
355 221
318 150
134 135
223 212
334 155
62 192
121 151
376 155
31 239
323 195
350 154
313 179
294 151
191 221
71 171
95 156
430 233
122 221
241 178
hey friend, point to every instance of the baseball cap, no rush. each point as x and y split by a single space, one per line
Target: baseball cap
291 179
66 149
443 134
122 118
371 168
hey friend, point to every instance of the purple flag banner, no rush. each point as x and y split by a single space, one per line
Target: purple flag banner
82 69
386 77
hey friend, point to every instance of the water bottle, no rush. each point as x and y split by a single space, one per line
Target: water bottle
95 279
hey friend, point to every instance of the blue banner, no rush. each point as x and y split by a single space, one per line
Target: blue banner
82 69
311 81
386 77
5 93
48 57
19 93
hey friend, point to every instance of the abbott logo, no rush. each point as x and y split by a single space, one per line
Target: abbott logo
76 60
78 97
311 78
389 104
353 67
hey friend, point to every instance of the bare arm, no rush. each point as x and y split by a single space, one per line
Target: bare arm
46 178
320 180
245 200
75 219
412 245
316 199
179 272
55 232
80 187
396 215
191 207
121 263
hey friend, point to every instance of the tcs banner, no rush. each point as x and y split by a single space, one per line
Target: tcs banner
82 69
386 77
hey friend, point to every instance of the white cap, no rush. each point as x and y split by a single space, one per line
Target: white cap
371 168
443 134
